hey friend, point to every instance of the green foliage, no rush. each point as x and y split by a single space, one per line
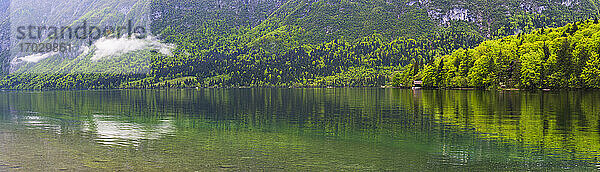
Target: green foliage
591 72
565 57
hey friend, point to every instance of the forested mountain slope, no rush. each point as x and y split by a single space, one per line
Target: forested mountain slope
230 43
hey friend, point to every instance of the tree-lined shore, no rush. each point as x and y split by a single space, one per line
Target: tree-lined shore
550 58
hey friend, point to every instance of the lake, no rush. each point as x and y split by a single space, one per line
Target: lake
353 129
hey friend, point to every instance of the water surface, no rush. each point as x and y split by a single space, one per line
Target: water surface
299 129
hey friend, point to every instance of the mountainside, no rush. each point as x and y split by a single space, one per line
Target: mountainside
283 42
4 35
42 16
190 15
4 24
327 20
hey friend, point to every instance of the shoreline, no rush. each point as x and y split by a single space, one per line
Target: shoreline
380 87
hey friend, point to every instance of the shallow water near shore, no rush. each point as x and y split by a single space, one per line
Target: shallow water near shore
299 129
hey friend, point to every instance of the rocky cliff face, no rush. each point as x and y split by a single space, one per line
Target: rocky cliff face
492 15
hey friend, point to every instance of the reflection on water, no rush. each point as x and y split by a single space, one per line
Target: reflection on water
111 131
306 129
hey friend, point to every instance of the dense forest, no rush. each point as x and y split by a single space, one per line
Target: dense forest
299 43
564 57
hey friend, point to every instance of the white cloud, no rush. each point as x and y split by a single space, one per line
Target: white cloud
106 47
34 58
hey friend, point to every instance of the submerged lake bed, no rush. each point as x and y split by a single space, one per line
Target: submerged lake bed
299 129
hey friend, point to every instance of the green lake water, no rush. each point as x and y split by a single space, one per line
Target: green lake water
354 129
